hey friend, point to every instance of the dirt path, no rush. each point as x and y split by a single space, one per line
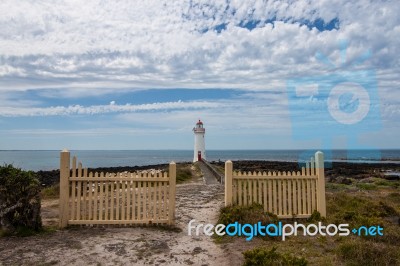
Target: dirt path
122 246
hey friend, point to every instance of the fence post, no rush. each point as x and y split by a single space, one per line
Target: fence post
319 165
228 183
172 191
64 188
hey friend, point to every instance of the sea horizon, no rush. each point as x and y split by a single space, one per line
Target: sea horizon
36 160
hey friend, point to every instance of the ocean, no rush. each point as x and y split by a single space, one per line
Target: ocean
49 159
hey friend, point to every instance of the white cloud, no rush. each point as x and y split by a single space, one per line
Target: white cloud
104 109
161 43
75 49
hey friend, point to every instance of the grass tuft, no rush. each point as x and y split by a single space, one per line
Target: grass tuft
359 252
183 173
245 214
262 256
357 210
52 192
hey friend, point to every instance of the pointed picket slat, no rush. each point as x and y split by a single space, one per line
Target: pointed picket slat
112 198
107 198
79 201
84 205
74 166
240 192
299 188
279 198
308 191
290 196
123 198
294 189
265 195
73 199
270 207
145 198
234 191
274 197
117 197
313 200
139 195
96 199
312 166
284 200
303 195
90 197
250 191
255 190
128 200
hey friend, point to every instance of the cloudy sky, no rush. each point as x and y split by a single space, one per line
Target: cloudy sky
138 74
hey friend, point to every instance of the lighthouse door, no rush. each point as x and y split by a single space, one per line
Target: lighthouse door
199 155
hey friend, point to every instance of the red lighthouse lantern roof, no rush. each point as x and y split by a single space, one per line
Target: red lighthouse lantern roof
199 123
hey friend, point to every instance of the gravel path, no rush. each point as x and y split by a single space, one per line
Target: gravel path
208 176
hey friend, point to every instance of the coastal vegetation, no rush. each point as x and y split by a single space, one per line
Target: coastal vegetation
20 201
351 204
183 172
263 256
362 196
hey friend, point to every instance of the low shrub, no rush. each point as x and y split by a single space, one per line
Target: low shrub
262 256
245 214
183 173
19 200
394 196
316 217
366 186
357 210
360 252
52 192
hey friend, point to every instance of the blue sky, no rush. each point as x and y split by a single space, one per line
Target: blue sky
260 74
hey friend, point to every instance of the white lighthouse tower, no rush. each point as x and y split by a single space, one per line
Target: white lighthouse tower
199 144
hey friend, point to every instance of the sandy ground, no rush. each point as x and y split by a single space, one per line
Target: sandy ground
128 245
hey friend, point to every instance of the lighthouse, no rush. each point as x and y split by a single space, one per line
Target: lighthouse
199 144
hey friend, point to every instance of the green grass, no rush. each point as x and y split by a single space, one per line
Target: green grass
52 192
358 210
345 204
336 187
360 252
245 214
197 169
367 186
262 256
25 231
183 173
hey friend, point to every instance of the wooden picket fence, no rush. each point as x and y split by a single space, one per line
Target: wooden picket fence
286 194
115 198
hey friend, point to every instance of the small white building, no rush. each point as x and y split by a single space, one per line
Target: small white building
199 143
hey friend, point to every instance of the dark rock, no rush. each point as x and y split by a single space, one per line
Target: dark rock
197 250
391 177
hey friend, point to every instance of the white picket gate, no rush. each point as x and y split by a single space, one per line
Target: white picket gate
115 198
286 194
